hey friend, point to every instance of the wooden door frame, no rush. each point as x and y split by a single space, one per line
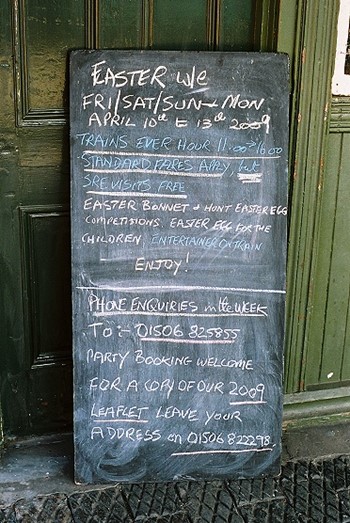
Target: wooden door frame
307 31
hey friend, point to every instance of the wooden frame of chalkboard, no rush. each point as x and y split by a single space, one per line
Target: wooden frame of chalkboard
179 212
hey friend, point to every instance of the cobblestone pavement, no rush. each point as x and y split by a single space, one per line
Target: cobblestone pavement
308 490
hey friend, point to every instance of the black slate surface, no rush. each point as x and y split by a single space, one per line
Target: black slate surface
179 203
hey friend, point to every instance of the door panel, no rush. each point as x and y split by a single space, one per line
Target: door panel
121 24
35 37
46 234
179 25
230 25
233 37
43 32
328 359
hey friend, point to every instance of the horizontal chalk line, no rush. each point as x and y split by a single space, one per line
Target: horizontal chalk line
191 156
197 452
180 288
211 341
178 314
119 420
153 171
136 194
247 402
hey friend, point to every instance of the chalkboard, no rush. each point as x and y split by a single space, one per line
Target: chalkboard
179 211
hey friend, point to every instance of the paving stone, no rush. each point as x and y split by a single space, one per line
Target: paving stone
331 505
250 491
179 517
344 505
99 506
152 500
209 502
288 470
302 471
7 515
282 512
182 488
310 489
342 474
269 512
315 498
44 509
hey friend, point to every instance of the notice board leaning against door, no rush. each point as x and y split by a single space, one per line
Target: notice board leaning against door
179 203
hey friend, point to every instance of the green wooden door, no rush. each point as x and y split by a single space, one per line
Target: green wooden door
317 358
36 36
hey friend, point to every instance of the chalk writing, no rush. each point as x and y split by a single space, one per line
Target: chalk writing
179 209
